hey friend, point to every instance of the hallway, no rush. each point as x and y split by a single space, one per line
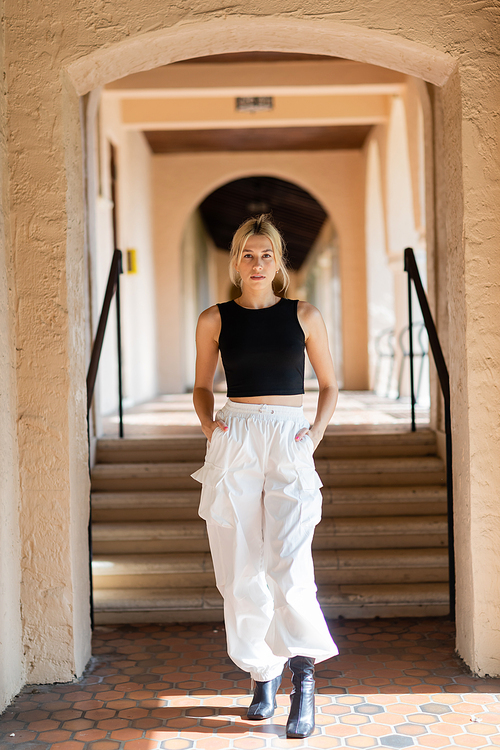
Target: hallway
396 684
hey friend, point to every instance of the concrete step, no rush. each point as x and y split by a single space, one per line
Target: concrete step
337 502
192 570
114 606
379 532
366 472
337 443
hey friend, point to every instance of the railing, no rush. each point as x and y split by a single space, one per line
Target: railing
444 380
112 288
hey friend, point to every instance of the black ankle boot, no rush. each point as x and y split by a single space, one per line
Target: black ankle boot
264 699
301 718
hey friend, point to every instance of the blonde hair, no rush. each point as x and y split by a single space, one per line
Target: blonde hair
261 225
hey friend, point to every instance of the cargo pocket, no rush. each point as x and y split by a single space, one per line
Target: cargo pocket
215 505
308 486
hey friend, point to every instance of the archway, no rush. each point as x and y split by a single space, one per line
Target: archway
141 68
141 51
310 238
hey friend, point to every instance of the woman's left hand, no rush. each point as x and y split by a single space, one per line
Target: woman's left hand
304 431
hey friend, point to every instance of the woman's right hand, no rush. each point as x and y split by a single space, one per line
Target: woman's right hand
210 429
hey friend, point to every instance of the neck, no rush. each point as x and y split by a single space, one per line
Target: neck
257 299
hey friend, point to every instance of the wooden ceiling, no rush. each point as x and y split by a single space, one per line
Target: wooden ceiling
322 138
295 212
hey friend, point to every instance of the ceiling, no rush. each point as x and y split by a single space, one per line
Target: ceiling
320 103
328 138
295 212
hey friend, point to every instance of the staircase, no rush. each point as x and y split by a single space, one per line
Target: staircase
380 550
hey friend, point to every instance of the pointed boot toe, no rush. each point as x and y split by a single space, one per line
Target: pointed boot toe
264 700
301 722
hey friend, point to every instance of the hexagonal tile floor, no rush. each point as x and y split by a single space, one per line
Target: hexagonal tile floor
396 684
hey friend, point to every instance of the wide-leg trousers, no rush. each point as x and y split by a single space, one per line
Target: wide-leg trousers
261 500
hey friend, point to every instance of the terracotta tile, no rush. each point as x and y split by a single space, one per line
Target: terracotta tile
42 726
56 735
468 740
109 724
100 713
102 745
482 729
177 744
141 745
354 720
129 733
360 742
375 730
350 700
21 737
339 730
424 719
433 741
69 745
387 718
90 735
249 743
34 715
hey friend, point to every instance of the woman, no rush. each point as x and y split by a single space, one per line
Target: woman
261 495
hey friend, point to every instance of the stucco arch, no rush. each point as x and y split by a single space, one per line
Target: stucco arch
44 169
245 34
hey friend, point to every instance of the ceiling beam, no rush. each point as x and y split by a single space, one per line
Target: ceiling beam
258 139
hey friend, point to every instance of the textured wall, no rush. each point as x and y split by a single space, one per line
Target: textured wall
11 652
54 46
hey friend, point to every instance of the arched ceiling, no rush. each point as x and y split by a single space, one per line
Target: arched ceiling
296 213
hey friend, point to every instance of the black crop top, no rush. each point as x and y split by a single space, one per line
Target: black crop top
262 349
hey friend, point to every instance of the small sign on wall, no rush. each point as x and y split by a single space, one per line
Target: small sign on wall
131 260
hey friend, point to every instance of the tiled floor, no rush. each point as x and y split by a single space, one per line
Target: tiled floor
396 684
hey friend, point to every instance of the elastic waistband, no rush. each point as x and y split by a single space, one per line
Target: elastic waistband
264 411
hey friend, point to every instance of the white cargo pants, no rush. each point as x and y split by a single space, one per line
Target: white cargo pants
261 500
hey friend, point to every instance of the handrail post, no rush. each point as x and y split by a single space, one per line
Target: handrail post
410 336
444 381
119 346
449 502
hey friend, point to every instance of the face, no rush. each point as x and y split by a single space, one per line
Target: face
257 266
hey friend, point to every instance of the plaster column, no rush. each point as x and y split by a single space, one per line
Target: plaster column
472 128
45 166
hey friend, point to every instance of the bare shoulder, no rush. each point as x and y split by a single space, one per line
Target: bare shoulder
209 322
308 314
307 311
211 314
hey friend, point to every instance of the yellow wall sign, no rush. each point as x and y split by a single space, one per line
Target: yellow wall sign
131 260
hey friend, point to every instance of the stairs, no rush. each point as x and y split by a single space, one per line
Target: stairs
380 549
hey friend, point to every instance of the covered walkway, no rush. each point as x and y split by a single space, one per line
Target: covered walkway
395 684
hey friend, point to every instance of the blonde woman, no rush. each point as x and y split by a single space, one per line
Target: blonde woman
261 494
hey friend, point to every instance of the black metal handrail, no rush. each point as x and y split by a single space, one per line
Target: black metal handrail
112 288
444 380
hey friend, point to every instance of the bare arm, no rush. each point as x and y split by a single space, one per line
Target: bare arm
318 351
207 353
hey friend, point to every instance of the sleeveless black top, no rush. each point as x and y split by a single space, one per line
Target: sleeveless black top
262 350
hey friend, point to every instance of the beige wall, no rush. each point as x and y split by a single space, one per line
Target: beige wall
11 648
335 179
55 54
134 213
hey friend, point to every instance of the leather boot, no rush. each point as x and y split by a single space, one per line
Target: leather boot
301 718
264 699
